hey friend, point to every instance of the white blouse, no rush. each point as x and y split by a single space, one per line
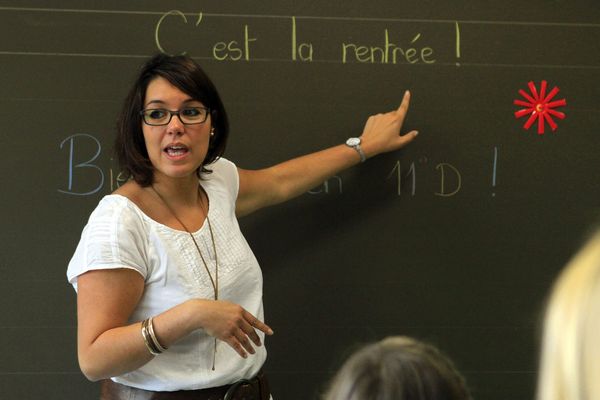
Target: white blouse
119 235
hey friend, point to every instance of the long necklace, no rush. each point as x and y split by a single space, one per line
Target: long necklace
214 281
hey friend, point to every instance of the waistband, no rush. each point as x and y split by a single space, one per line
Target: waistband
256 388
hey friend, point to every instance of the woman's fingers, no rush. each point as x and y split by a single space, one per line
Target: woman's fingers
382 132
248 330
403 108
239 329
240 342
237 346
242 345
246 333
258 324
400 113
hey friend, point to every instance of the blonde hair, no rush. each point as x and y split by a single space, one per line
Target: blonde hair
398 368
570 355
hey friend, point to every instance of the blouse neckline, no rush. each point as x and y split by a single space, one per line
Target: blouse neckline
161 225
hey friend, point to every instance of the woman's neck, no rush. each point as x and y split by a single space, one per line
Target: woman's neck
177 192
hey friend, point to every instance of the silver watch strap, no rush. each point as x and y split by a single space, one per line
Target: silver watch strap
360 152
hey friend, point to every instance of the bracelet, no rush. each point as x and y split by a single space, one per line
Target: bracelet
148 339
154 338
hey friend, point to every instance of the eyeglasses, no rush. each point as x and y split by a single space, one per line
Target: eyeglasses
187 115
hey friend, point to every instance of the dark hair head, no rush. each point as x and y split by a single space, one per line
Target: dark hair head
185 74
399 368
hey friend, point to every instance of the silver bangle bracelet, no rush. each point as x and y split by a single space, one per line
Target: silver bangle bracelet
154 338
148 340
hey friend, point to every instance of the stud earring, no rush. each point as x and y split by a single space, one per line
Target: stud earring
212 131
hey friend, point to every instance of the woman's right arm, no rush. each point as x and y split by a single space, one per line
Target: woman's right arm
108 346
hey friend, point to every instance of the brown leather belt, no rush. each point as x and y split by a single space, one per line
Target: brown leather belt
256 388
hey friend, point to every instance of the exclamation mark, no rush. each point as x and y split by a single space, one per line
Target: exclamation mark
457 42
495 167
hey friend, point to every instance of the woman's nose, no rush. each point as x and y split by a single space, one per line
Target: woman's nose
175 126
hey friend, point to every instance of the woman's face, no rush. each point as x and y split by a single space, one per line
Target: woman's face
176 150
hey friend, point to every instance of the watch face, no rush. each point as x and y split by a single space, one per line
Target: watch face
353 141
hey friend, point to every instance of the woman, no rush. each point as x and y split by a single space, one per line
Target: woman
169 295
398 368
570 358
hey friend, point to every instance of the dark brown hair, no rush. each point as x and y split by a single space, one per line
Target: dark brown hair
185 74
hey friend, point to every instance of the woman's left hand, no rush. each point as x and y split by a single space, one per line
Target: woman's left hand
381 133
291 178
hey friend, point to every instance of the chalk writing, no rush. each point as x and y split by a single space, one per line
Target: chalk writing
324 188
303 51
240 48
87 178
232 50
442 167
400 178
494 169
116 180
457 30
160 21
397 172
388 53
75 188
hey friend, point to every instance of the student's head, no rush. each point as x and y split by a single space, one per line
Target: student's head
187 76
570 356
398 368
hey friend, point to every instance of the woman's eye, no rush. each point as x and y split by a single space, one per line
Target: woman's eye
156 114
191 112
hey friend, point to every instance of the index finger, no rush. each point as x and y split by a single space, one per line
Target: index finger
403 108
258 324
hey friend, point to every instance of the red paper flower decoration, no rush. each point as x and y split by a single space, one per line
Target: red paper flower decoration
540 107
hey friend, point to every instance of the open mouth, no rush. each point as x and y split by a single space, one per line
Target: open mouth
176 150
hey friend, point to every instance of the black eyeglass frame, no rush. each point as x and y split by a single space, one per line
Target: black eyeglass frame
178 113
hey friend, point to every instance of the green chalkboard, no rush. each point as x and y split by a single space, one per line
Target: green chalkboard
455 239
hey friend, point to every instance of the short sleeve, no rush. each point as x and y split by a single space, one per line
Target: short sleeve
114 237
225 178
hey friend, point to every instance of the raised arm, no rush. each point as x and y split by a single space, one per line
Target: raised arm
284 181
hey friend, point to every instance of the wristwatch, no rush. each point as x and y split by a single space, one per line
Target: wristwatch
354 142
